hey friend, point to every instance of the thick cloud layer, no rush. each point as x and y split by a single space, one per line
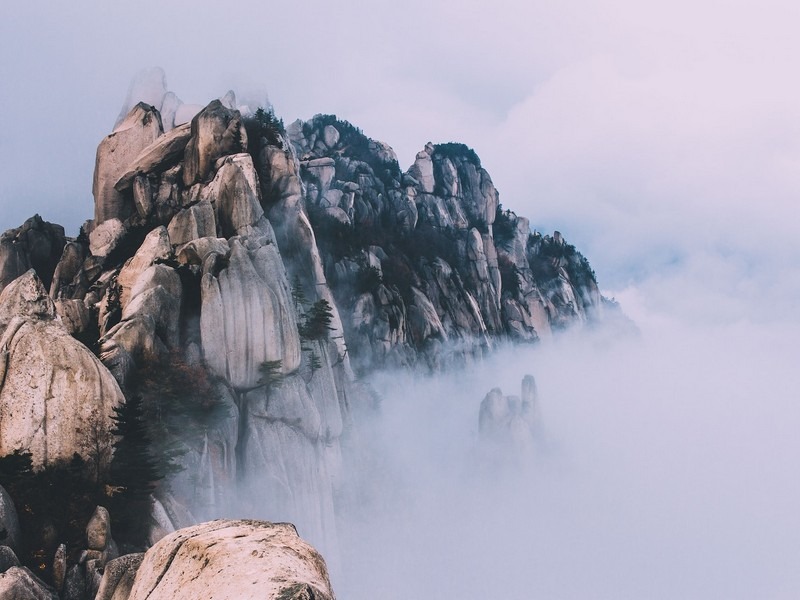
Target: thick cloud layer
663 469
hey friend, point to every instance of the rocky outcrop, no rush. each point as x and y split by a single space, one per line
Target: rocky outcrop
52 388
232 560
247 316
35 245
158 156
8 559
216 131
115 157
9 522
118 577
18 583
106 236
509 422
395 245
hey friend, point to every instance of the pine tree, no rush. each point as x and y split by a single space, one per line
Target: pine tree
134 471
271 373
314 363
317 321
133 474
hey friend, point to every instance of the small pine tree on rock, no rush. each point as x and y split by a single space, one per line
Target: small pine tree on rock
317 322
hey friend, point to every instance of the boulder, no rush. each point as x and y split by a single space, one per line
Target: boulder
191 223
69 266
142 196
8 559
25 298
337 214
196 251
235 194
98 530
321 171
115 154
330 135
9 523
36 244
232 560
106 237
162 154
118 577
18 583
156 246
52 388
215 131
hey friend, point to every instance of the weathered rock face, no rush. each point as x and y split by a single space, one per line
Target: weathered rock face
18 583
36 244
216 131
232 560
116 155
118 577
158 156
509 422
395 245
247 316
51 387
8 559
9 523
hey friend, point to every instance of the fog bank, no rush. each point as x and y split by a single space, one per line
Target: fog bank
664 468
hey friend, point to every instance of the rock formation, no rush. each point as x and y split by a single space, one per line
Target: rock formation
425 267
54 393
508 423
18 583
232 560
239 276
9 522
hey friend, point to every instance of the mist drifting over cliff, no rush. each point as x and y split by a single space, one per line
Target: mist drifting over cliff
662 466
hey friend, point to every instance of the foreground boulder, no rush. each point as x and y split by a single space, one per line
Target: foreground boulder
233 560
18 583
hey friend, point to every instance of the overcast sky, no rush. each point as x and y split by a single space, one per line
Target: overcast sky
646 132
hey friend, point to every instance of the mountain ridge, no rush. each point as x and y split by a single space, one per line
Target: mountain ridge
272 268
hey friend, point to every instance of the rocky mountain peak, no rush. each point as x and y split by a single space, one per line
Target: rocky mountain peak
238 278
